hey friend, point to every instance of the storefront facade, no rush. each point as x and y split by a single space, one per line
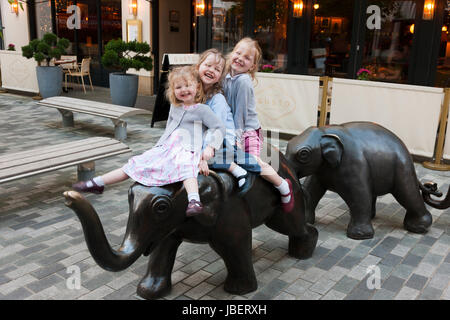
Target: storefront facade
400 41
396 40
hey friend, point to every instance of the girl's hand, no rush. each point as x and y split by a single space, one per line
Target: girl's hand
208 153
203 167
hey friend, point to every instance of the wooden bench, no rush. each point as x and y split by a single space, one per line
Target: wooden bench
66 106
48 158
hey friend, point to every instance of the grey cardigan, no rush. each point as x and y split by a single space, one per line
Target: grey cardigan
193 125
241 98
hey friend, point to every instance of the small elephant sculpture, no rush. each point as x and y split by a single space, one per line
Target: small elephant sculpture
157 224
361 161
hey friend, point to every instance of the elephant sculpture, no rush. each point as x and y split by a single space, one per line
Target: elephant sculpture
157 225
361 161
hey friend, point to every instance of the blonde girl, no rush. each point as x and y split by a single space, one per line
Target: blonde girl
176 155
211 68
242 65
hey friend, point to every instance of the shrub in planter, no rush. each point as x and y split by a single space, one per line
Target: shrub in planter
121 56
43 51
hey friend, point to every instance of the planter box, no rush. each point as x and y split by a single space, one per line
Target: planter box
18 72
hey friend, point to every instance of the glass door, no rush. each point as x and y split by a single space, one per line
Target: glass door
227 24
387 47
331 36
99 22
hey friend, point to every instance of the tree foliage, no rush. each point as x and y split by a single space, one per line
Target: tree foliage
47 48
121 55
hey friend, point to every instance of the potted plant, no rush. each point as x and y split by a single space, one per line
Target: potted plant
121 56
44 51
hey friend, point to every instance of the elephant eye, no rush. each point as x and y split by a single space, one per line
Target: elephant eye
161 206
303 155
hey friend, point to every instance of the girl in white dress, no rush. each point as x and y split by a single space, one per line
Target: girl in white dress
176 155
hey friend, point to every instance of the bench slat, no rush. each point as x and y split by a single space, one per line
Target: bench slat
28 174
67 145
82 102
79 157
92 107
54 152
81 109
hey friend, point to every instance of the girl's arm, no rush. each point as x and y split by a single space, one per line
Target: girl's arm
216 128
244 97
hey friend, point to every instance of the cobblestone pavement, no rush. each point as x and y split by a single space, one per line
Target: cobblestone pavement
41 240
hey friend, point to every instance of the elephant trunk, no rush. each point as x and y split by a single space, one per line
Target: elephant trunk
97 243
431 189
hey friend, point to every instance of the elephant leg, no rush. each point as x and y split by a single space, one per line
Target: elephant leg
359 200
157 282
313 191
417 219
237 256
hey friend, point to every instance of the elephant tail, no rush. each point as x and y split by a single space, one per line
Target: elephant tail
430 188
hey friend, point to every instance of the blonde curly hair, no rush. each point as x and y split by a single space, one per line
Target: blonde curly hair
188 74
257 59
217 87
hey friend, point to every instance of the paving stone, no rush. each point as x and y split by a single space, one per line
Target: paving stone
407 293
391 260
416 281
430 293
40 237
393 283
18 294
345 285
334 295
403 271
383 294
412 260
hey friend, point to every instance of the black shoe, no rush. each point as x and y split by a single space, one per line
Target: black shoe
82 187
246 186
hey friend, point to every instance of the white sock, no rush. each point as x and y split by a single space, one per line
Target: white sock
98 181
193 196
237 172
284 190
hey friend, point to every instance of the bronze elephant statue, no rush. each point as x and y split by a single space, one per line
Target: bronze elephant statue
361 161
157 225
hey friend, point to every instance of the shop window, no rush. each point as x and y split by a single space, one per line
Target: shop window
443 68
227 24
386 51
330 41
270 30
43 18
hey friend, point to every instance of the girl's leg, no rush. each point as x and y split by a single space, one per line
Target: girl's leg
284 186
114 176
195 207
239 173
97 184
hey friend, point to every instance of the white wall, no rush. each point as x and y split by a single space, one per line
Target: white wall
174 42
143 14
16 26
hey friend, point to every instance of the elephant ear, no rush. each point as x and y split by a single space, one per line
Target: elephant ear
332 149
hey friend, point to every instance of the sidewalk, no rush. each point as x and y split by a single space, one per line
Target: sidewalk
42 243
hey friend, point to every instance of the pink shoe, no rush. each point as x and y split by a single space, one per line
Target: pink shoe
194 208
288 206
82 187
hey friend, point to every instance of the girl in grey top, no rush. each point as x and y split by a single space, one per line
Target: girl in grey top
242 64
211 67
176 155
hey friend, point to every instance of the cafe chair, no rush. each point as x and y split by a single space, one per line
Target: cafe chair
82 71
